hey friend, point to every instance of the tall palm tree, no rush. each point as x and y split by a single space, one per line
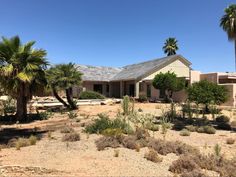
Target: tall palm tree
21 71
228 23
170 47
64 77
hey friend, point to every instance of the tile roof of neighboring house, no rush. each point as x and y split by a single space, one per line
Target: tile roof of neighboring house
129 72
97 73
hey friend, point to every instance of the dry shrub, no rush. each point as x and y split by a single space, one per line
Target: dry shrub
194 173
153 156
166 147
107 141
67 130
184 132
230 141
21 142
32 140
116 153
226 168
191 128
141 133
183 164
71 137
130 142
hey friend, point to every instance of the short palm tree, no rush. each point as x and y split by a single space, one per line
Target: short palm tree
64 77
228 23
170 47
21 71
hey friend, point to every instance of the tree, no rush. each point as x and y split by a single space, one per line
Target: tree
21 71
205 92
169 83
228 23
64 77
170 47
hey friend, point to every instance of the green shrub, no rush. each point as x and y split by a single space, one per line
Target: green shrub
140 110
222 119
72 115
103 123
91 95
112 132
184 132
32 140
191 128
153 156
142 98
9 106
152 126
206 129
21 142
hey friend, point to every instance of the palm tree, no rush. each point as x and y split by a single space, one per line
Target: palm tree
21 71
228 23
64 77
170 47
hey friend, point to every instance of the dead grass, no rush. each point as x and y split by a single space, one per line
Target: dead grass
194 173
153 156
67 129
71 137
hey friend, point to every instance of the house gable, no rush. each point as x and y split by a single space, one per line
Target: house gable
178 66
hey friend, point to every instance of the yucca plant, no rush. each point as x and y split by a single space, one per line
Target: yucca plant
21 71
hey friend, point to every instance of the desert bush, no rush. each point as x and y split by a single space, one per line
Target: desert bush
140 110
230 141
153 156
116 153
217 150
67 129
9 106
233 124
222 119
178 125
183 164
91 95
206 129
71 137
32 140
21 142
194 173
130 142
127 105
187 109
141 133
103 123
184 132
107 141
166 147
112 132
72 115
191 128
142 98
151 126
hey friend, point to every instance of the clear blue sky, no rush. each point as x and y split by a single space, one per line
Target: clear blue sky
121 32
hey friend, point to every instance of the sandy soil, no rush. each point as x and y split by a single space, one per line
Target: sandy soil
51 156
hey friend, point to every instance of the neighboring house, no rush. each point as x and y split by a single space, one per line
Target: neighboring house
226 79
133 80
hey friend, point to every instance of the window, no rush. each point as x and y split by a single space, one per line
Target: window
97 88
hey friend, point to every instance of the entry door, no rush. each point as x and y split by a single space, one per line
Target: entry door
131 90
148 90
97 88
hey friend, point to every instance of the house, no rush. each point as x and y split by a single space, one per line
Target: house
228 80
135 79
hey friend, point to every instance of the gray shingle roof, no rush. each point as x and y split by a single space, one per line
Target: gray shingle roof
97 73
129 72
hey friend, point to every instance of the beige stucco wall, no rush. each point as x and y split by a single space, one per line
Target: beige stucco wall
232 93
178 67
195 76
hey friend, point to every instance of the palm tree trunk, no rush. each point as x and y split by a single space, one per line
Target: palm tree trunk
21 109
235 53
70 98
59 98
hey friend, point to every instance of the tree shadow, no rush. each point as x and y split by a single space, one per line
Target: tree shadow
9 134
